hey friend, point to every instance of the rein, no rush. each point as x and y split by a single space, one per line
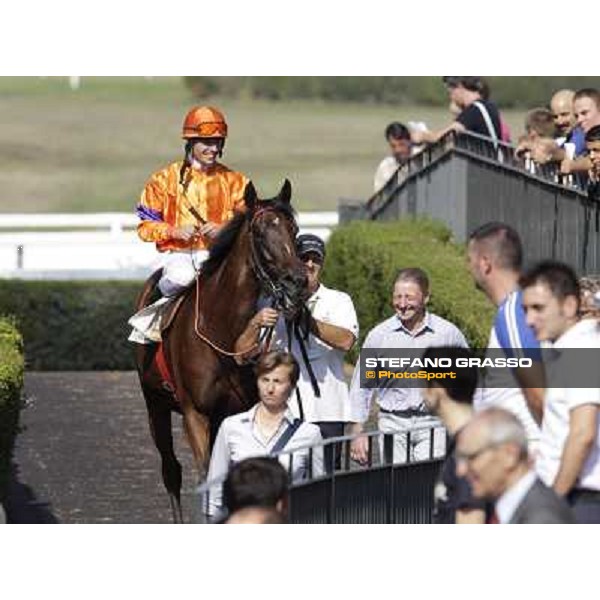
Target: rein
207 340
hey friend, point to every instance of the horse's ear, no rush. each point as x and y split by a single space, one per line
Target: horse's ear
250 197
285 194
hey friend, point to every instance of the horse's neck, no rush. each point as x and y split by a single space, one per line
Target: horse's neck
233 290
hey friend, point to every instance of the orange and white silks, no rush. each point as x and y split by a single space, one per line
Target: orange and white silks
215 194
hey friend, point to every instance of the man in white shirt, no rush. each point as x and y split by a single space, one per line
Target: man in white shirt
569 450
398 137
334 330
491 452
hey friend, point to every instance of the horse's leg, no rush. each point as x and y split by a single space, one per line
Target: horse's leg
197 429
159 416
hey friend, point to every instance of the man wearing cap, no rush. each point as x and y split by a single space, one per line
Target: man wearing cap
333 331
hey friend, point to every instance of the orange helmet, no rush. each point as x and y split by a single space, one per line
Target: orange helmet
204 121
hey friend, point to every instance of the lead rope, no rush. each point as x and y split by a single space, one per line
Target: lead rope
288 328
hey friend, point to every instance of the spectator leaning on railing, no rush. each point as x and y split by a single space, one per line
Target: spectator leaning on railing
398 138
592 143
586 106
554 148
478 114
539 124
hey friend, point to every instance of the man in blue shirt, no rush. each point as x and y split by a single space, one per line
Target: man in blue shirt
495 257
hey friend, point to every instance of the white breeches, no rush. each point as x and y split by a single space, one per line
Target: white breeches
179 270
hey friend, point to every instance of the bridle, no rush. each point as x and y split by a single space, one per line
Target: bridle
272 288
275 290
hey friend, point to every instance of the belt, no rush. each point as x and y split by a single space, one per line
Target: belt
410 412
583 494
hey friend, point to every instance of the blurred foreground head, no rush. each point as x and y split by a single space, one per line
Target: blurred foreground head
491 452
256 515
256 482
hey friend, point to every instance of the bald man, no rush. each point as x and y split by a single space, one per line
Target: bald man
567 132
561 106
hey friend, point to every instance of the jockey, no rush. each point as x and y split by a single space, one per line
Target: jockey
178 194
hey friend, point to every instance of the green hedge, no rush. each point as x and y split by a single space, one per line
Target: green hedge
83 325
364 257
72 326
11 384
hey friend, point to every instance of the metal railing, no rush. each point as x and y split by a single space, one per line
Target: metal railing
479 148
392 487
465 180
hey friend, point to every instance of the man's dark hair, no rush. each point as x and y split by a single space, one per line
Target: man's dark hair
591 93
415 275
593 135
397 131
473 84
461 388
258 481
559 277
503 242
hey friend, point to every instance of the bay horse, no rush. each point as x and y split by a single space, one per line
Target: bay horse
254 254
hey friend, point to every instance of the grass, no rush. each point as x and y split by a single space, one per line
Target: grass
92 149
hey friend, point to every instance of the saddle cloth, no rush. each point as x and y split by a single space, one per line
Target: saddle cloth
146 323
150 322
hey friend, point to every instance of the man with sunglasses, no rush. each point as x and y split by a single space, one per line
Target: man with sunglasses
492 453
333 332
184 205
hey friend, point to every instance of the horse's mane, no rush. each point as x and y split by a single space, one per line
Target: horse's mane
228 235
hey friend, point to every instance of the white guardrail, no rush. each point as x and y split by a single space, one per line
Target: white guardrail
57 246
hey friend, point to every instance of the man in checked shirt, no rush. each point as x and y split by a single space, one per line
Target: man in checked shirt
403 409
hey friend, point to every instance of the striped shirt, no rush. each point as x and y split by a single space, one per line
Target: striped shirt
391 333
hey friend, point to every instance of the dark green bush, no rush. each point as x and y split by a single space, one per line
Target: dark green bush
364 257
72 325
11 384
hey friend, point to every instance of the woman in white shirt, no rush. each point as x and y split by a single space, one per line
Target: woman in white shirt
269 427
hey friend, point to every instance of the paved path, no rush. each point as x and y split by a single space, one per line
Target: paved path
86 455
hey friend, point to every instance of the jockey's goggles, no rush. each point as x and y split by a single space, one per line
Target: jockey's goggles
216 129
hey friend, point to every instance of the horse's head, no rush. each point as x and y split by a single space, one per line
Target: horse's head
272 233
